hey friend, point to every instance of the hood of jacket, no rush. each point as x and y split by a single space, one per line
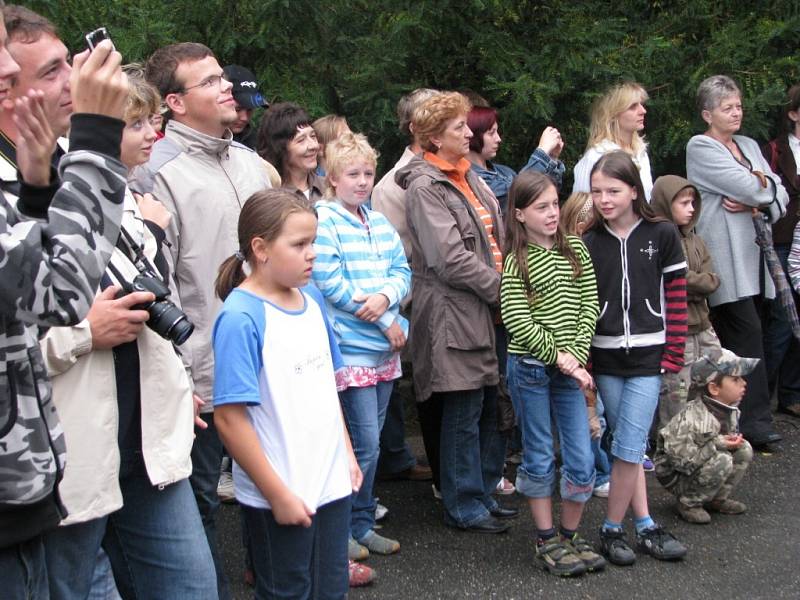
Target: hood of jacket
665 189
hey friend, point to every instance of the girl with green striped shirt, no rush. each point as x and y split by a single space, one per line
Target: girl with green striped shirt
548 298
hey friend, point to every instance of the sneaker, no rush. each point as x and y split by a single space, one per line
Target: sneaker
225 488
380 512
660 544
505 487
379 544
648 465
557 557
727 506
583 550
693 514
601 491
615 548
356 551
436 493
360 575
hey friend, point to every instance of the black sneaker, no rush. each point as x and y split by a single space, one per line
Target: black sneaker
660 544
614 547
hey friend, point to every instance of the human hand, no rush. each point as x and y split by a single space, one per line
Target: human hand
551 142
198 404
153 210
356 476
97 83
567 363
595 430
37 141
734 441
396 337
584 379
291 510
733 206
374 306
113 321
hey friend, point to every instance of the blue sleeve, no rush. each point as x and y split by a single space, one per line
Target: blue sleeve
540 161
336 355
237 359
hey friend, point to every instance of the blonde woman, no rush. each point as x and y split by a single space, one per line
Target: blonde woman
617 124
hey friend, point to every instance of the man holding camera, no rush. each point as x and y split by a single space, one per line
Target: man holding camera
203 178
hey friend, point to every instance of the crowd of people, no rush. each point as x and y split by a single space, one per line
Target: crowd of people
196 307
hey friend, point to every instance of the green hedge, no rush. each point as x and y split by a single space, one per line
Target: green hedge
538 62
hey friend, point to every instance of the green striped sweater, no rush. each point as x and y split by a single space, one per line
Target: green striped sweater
563 310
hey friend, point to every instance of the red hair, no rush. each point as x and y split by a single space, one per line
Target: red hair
480 120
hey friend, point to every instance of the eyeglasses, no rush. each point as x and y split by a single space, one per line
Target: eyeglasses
213 81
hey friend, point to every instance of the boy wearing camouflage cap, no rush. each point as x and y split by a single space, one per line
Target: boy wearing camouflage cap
701 456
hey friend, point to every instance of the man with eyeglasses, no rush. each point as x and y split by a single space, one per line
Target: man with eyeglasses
203 178
43 60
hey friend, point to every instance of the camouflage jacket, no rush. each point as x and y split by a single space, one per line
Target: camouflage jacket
50 267
691 438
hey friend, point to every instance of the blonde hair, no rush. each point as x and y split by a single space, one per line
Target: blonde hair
328 127
577 210
606 110
344 151
143 97
431 117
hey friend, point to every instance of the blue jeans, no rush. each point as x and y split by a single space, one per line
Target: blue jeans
395 455
365 410
537 389
630 404
24 571
103 586
206 462
155 542
296 562
471 448
602 464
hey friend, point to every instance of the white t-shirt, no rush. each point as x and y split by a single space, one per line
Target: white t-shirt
281 365
583 168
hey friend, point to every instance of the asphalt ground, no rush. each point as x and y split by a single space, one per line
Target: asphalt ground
755 555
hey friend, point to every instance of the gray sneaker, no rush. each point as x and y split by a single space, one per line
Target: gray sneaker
660 544
615 548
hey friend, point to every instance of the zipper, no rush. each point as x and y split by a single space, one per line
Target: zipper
626 295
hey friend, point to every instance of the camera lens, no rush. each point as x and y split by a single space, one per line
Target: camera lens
169 321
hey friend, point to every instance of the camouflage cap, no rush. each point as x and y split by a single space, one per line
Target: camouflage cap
706 368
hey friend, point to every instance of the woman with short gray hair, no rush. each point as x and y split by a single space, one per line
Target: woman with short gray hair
736 185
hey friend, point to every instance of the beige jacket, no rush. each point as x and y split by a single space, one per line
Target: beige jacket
85 395
204 182
390 199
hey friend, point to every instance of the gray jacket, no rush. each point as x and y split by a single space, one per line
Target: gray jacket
730 237
49 271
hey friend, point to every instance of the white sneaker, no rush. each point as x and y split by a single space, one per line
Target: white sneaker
380 512
436 493
505 487
601 491
225 488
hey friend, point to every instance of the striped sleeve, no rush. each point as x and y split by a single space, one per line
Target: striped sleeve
328 273
589 310
676 314
518 319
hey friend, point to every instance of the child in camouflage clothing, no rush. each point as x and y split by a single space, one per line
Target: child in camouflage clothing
701 456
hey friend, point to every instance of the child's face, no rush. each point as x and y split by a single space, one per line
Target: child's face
683 208
540 218
354 184
137 141
730 390
613 198
287 260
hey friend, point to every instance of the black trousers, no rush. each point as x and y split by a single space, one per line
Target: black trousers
738 326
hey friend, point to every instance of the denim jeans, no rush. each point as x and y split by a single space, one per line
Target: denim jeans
296 562
155 543
630 404
395 455
781 348
365 410
103 586
602 463
24 571
470 450
537 389
206 462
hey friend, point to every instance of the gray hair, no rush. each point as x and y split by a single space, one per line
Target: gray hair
408 104
713 90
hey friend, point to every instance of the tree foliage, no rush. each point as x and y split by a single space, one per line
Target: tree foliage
539 62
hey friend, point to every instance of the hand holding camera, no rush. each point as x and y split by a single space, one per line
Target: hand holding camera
98 84
113 321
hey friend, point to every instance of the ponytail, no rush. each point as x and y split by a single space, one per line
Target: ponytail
230 275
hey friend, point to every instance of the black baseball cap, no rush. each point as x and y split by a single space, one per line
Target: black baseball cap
245 87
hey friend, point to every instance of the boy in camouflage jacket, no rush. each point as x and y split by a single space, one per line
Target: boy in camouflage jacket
701 456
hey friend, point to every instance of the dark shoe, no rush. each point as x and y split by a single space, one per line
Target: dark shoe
615 548
660 544
487 525
792 409
504 513
557 557
416 473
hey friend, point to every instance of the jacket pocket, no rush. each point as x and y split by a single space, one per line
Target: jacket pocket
8 399
467 323
603 311
650 308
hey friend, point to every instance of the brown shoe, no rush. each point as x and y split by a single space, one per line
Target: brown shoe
792 409
416 473
727 506
693 514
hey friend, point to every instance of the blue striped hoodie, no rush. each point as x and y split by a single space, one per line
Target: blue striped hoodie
356 258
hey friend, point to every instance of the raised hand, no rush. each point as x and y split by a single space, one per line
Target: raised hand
98 84
37 141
